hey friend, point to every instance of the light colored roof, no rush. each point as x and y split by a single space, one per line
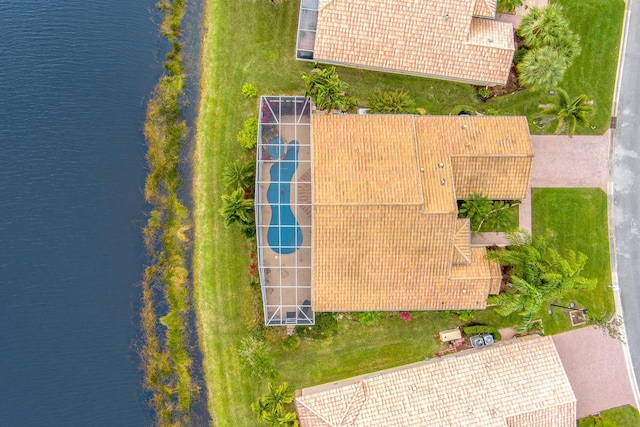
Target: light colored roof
385 229
433 39
485 8
511 384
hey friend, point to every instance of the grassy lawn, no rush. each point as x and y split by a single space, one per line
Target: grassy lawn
624 416
579 218
254 42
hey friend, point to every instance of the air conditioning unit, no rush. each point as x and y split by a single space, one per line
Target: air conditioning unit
477 341
488 339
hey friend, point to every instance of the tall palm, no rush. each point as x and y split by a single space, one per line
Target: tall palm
570 113
236 208
239 174
279 418
541 68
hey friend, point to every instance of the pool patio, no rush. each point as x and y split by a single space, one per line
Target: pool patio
283 188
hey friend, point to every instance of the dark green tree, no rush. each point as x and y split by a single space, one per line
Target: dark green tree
541 68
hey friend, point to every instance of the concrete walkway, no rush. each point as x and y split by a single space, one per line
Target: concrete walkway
596 368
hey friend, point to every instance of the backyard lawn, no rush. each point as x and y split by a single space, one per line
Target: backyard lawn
578 216
254 42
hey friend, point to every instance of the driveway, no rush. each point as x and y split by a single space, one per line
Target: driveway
596 368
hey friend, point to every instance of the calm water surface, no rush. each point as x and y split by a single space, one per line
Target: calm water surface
75 76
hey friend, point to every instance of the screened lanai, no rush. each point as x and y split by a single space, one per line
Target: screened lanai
307 23
283 209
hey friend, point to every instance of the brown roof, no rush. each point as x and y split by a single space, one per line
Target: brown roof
433 39
385 229
485 8
511 384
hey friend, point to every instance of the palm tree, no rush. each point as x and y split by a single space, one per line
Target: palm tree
328 92
394 102
541 68
236 208
543 26
539 275
476 209
239 174
279 418
278 396
570 113
508 6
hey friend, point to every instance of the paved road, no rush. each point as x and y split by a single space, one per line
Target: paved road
626 167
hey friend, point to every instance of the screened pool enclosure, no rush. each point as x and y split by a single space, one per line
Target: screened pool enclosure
283 209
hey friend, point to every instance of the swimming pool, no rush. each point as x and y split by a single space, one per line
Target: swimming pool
284 234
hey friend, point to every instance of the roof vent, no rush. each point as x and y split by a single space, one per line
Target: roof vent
421 169
477 341
490 40
442 181
446 17
440 165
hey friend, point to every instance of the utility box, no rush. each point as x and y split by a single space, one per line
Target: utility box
450 335
477 341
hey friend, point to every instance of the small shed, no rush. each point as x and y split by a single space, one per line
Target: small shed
450 335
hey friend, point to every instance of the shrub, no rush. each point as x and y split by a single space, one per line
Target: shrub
291 342
326 326
463 110
482 329
328 92
519 55
465 315
249 90
368 318
484 93
248 136
508 6
256 359
395 102
492 112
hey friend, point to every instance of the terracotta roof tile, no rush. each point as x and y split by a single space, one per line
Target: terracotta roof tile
433 39
516 383
385 222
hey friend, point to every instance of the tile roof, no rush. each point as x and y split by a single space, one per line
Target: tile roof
433 39
485 8
516 383
385 229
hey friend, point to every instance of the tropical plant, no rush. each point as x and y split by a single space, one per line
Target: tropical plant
543 26
270 408
248 135
539 275
476 209
508 6
570 113
239 174
391 102
291 342
236 208
249 90
541 68
484 93
328 92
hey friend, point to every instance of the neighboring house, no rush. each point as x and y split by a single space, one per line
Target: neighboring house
455 40
359 212
518 383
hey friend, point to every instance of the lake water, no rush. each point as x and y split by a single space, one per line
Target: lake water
75 76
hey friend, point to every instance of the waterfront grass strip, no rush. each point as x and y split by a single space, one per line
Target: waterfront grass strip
166 300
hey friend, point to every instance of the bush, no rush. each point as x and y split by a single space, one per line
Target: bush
368 318
326 326
291 342
482 329
328 92
465 315
396 102
256 359
508 6
463 110
249 90
484 93
248 136
492 112
519 55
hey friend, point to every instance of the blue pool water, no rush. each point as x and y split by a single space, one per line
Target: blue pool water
284 234
276 147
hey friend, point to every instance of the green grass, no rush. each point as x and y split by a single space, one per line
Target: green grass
512 224
579 218
624 416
